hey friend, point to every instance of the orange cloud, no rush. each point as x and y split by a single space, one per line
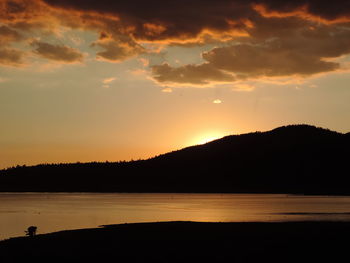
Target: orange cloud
302 12
153 29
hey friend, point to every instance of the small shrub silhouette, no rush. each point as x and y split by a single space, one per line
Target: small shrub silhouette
31 231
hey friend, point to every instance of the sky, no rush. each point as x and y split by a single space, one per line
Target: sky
84 80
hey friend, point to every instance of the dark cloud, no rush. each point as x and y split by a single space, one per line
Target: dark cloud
192 74
57 52
281 37
11 57
115 51
13 10
245 62
8 35
15 7
271 60
161 20
276 47
117 48
164 20
279 47
189 17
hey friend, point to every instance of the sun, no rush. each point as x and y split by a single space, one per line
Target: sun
208 137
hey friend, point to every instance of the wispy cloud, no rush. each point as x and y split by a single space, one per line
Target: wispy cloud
243 87
108 80
144 61
167 90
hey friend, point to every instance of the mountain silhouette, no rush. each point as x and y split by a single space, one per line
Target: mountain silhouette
299 159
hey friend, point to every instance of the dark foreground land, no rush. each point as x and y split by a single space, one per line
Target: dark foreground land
187 242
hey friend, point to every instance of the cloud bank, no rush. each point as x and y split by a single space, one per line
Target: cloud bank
254 39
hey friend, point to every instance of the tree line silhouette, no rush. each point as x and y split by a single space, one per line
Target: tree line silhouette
289 159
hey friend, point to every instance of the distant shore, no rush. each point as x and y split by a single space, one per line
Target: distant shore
295 159
186 242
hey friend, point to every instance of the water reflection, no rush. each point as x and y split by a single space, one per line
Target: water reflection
59 211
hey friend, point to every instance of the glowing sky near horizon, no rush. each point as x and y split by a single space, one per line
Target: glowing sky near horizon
106 80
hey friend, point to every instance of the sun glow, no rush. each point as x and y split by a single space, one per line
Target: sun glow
205 138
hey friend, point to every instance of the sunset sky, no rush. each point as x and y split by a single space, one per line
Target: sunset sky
86 80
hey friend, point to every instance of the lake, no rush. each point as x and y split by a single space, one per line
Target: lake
60 211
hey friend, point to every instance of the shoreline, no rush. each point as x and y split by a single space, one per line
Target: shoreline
182 241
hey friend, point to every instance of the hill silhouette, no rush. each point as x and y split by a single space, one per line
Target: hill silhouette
291 159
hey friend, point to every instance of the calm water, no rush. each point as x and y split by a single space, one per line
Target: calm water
54 212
